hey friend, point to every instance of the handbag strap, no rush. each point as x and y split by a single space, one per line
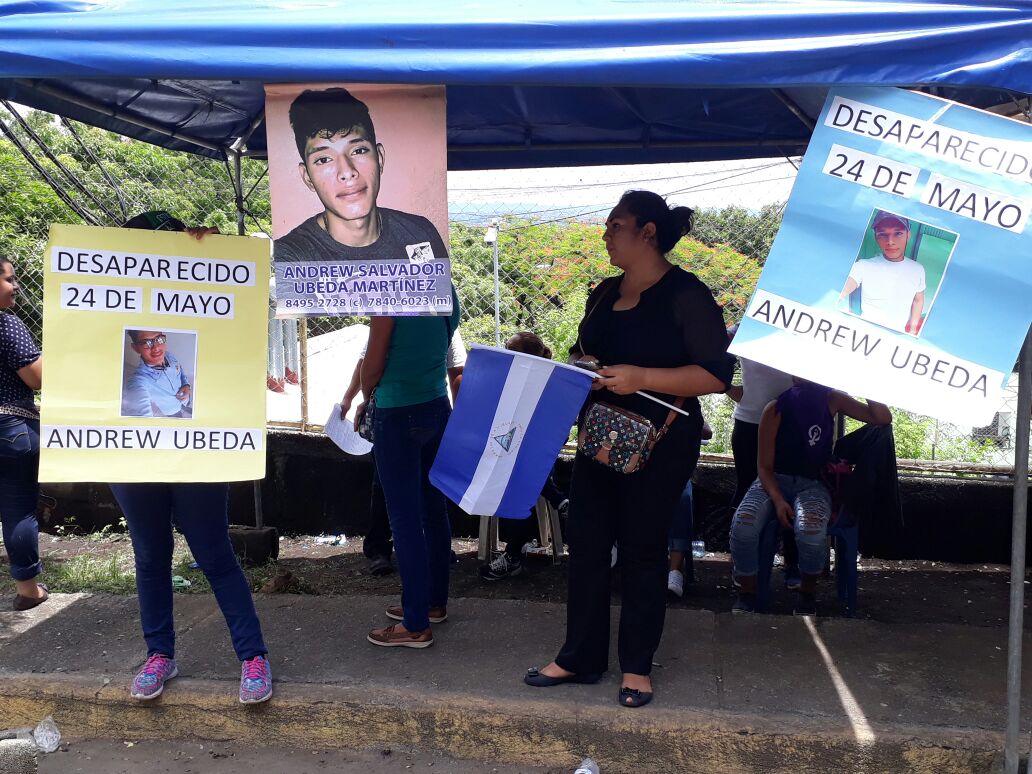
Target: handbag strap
670 418
679 403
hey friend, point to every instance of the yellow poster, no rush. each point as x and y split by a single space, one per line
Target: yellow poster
154 344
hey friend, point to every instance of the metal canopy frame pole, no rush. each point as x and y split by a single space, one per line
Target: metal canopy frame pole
236 173
1017 576
120 115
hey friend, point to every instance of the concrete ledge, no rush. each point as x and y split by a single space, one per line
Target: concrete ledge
538 732
18 756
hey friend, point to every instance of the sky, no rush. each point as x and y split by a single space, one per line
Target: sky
590 192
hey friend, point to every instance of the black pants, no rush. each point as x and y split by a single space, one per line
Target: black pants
378 537
745 446
634 512
518 532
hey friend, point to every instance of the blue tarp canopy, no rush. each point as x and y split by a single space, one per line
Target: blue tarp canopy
530 82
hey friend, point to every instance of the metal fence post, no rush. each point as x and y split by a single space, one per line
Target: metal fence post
302 335
493 236
1017 576
238 201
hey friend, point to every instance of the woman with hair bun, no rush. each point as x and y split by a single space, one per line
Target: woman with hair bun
654 328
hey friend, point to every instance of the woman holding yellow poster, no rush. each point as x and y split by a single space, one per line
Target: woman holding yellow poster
21 373
200 512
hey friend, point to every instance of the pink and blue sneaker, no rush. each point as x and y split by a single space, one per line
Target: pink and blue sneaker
150 680
255 680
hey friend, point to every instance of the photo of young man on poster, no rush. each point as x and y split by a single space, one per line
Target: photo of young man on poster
898 272
156 383
341 162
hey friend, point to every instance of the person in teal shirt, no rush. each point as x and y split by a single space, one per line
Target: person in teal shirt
405 365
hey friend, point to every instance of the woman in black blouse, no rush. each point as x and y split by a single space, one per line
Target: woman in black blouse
21 373
655 328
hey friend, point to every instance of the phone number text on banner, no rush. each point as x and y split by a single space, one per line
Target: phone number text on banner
392 287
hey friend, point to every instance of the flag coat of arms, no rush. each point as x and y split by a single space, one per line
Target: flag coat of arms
512 417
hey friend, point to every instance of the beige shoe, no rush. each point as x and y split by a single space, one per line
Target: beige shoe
391 637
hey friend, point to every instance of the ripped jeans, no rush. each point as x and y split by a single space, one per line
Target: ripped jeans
812 503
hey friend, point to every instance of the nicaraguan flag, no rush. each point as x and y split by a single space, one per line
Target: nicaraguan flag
512 417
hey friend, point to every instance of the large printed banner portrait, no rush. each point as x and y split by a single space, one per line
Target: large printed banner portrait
155 347
358 178
903 268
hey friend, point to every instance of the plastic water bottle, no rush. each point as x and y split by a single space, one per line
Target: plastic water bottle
47 736
698 549
587 766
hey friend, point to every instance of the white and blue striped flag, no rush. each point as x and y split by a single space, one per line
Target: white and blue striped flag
512 417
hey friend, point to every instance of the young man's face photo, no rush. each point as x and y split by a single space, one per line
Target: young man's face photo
892 237
153 355
344 171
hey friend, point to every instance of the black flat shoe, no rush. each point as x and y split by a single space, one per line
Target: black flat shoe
21 604
632 697
538 680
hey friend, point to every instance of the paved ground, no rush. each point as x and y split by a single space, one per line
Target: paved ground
772 693
127 757
890 591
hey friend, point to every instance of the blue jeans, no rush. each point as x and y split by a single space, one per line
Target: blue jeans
812 504
407 439
19 494
682 528
200 512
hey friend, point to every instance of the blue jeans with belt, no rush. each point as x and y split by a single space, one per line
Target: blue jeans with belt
200 512
406 440
19 494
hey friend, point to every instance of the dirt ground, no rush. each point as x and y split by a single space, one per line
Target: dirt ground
890 591
134 757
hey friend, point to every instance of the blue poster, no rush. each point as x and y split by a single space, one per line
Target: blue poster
902 271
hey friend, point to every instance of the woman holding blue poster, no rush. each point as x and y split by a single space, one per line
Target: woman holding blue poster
656 329
21 373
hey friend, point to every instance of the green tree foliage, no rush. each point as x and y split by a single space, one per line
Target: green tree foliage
924 438
745 231
546 270
145 177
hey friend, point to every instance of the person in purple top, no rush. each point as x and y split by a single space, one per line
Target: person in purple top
795 444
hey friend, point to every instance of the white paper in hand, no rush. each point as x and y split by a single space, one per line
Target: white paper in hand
342 432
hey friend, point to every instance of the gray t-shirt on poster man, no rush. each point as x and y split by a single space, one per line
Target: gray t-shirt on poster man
400 233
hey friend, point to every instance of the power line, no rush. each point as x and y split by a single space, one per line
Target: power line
572 186
604 209
704 186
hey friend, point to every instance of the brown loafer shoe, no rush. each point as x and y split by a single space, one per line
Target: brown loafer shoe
436 614
391 637
22 604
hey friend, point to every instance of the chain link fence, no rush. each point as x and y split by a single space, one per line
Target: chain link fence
548 248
